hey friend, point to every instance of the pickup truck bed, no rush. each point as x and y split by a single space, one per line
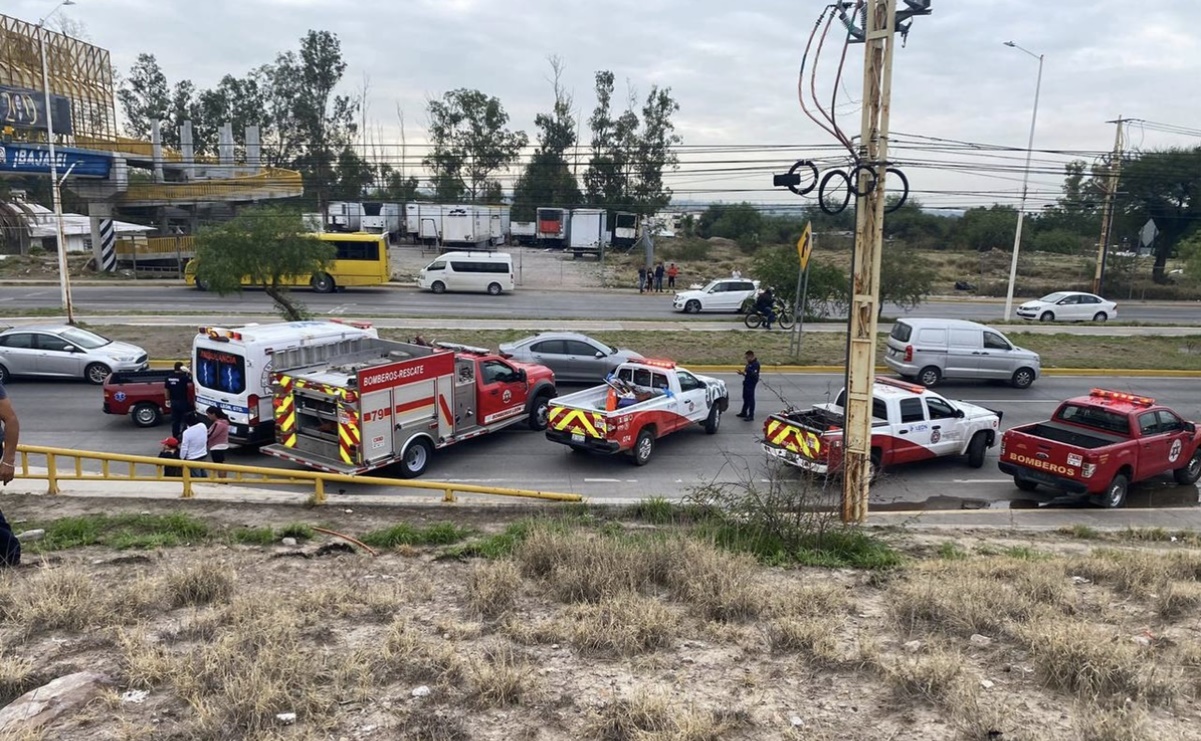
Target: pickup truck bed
1069 435
140 394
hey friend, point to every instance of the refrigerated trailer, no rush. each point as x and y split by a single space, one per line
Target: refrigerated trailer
586 232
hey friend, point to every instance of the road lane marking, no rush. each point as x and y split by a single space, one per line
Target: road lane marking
607 481
981 481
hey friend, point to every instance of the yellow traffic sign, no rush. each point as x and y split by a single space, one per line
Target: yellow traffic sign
804 245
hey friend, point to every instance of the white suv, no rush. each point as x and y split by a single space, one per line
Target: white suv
725 294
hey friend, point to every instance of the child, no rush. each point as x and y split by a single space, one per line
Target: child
170 450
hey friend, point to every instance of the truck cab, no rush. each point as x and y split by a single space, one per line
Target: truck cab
491 389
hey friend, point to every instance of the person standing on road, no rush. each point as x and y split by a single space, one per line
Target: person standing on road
176 392
750 379
659 271
642 279
193 444
672 272
10 434
218 436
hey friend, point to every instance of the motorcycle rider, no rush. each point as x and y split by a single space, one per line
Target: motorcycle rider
765 304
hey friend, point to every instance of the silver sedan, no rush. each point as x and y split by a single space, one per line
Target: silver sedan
67 352
574 357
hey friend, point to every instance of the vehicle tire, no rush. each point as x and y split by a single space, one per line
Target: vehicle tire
1115 495
644 446
1100 317
493 289
874 469
1190 472
976 450
714 420
96 373
322 283
692 307
5 376
201 285
929 376
1046 316
752 320
438 287
146 414
416 458
539 411
1024 484
1022 378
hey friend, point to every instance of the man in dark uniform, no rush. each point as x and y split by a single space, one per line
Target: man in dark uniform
10 432
750 379
177 396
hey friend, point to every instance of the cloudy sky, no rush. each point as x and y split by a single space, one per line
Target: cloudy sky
733 68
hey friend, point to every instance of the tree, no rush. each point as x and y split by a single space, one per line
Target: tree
1163 185
655 151
354 176
738 221
268 245
471 142
914 226
145 96
985 229
548 179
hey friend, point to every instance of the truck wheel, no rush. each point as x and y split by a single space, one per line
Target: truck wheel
1024 484
146 415
96 373
714 420
643 447
1022 378
929 376
539 411
1189 473
438 287
976 449
201 285
493 289
1115 495
322 283
416 458
692 307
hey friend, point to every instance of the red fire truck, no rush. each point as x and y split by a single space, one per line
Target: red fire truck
368 403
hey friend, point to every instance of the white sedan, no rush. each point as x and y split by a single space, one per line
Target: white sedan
726 294
1068 306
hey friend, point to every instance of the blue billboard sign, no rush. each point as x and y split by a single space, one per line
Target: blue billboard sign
34 159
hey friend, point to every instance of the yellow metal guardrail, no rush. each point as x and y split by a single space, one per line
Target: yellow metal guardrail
270 183
149 246
56 471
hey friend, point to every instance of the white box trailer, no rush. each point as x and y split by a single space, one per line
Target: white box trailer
523 232
382 218
429 221
345 216
586 233
412 220
497 224
464 225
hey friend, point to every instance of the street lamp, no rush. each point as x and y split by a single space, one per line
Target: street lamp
64 277
1017 237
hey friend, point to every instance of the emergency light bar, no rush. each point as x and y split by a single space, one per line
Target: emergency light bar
1144 401
654 363
897 383
463 348
219 334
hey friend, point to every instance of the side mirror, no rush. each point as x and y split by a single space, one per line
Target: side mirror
1190 428
521 375
600 354
959 414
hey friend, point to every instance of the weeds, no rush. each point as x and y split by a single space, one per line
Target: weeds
500 679
949 551
1176 599
493 546
492 588
646 716
936 676
1116 724
16 677
624 625
201 584
813 637
443 533
1080 532
120 531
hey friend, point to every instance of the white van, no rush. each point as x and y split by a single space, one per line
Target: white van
930 350
469 271
231 368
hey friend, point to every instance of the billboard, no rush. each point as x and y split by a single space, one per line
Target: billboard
22 108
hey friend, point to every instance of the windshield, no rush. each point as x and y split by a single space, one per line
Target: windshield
84 339
1051 298
709 288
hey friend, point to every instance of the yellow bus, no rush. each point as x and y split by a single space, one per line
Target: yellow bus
360 260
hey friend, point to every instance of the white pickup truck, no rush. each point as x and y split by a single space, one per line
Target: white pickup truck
640 402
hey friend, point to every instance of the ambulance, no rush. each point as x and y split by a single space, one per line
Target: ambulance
231 368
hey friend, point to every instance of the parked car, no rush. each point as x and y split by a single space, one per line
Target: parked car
572 356
66 352
929 350
725 294
1068 306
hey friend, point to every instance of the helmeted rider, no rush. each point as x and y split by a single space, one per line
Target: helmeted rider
765 304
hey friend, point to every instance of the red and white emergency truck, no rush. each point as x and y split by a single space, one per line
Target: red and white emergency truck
1100 444
640 402
371 403
909 423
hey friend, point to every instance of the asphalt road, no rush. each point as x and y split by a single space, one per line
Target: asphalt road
67 414
521 304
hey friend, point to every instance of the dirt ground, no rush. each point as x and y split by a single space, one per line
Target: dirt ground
602 627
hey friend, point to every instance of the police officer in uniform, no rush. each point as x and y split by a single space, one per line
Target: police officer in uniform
176 387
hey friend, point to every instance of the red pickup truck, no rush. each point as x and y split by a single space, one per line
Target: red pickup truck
140 394
1101 443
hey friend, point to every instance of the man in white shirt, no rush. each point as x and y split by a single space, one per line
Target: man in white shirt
193 444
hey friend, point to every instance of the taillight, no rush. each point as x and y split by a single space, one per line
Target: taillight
909 353
253 415
1088 469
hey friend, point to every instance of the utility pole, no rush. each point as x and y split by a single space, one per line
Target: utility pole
879 42
1111 191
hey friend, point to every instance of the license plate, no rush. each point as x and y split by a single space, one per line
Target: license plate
577 437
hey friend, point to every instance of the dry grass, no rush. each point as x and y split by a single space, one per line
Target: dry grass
1117 724
1178 599
625 625
501 678
492 588
935 676
653 716
199 584
812 637
16 677
1137 572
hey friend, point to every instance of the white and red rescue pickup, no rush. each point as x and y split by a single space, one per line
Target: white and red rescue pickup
909 423
641 402
368 403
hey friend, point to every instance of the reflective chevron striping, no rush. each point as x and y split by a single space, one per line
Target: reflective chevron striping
576 420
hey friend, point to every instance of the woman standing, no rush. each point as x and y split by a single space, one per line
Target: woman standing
218 436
